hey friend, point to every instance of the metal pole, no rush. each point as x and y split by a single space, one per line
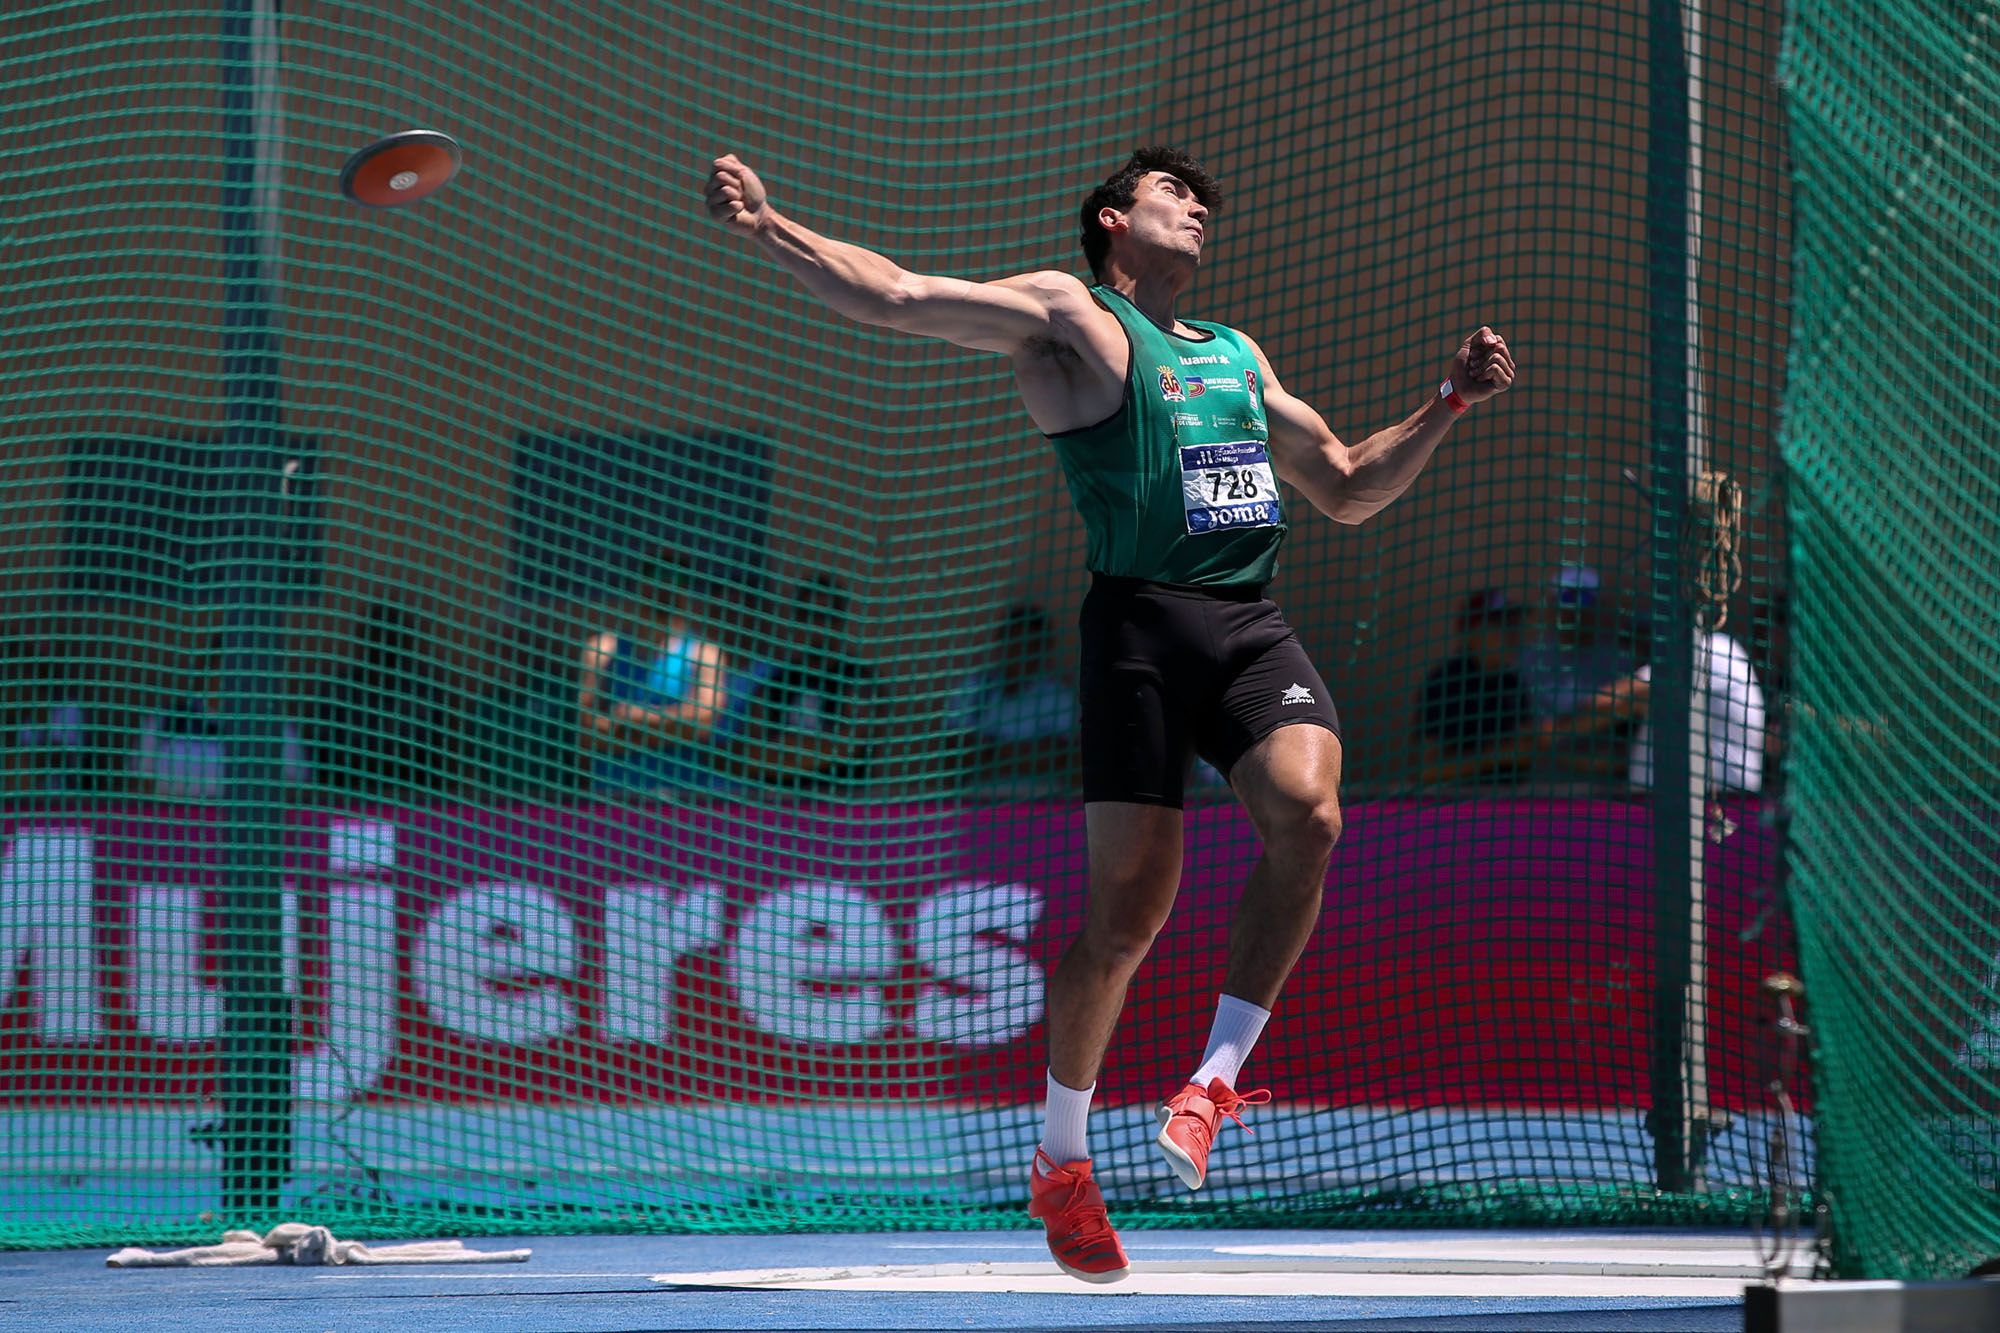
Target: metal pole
256 1073
1679 1113
1697 1114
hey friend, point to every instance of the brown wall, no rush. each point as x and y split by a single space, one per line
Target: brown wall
1394 182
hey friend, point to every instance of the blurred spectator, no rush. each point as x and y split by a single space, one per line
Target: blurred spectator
1474 721
520 742
51 750
182 750
377 731
76 696
1574 650
651 691
1019 715
1577 649
45 719
799 721
1729 711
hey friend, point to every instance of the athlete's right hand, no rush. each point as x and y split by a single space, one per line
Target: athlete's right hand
736 198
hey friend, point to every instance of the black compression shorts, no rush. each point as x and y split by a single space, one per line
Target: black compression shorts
1170 672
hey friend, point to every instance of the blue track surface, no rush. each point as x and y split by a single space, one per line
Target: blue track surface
602 1284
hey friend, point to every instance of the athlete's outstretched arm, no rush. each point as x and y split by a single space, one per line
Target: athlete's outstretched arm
1001 316
1351 483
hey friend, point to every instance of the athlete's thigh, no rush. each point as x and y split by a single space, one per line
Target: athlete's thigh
1290 776
1135 866
1136 735
1271 685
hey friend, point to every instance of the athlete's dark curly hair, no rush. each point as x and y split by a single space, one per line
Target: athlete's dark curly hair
1120 189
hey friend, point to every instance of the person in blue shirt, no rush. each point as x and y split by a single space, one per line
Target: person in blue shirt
650 692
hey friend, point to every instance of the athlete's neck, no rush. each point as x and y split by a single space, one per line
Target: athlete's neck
1155 296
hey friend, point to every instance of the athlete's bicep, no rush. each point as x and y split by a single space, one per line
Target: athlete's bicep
1300 438
999 316
1302 445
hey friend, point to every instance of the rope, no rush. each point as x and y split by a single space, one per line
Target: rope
1715 530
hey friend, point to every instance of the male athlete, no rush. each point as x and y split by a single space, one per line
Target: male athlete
1170 432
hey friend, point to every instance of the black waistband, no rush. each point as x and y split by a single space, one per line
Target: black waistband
1120 585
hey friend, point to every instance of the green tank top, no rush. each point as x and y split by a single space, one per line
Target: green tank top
1176 486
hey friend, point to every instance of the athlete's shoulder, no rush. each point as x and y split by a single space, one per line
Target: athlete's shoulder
1059 291
1243 341
1080 326
1228 331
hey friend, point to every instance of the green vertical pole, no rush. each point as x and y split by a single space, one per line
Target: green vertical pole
1675 1119
256 1072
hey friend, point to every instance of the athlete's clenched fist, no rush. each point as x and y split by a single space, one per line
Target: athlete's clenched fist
736 198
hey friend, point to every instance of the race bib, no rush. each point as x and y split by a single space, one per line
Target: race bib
1228 486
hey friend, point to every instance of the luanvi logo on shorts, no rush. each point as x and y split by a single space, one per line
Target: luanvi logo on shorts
1297 694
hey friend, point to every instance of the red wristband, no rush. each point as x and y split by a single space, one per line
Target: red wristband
1452 397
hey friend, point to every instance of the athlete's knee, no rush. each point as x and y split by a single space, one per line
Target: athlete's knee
1308 827
1108 946
1326 821
1128 913
1119 947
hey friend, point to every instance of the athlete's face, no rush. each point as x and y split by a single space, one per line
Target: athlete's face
1165 217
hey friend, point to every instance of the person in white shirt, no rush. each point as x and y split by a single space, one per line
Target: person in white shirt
1729 708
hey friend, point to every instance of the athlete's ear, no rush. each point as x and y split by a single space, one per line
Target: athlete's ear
1111 220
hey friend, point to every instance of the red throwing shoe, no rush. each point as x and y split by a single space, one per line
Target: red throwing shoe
1071 1207
1188 1122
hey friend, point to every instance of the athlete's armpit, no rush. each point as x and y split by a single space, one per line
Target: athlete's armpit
1049 348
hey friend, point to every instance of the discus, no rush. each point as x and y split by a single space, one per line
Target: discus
400 169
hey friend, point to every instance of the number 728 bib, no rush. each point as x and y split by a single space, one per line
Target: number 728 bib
1228 486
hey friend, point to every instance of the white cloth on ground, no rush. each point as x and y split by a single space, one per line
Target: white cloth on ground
308 1246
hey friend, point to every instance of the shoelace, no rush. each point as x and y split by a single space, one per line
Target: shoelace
1086 1221
1230 1107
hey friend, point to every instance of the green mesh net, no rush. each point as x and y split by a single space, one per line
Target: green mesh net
1890 438
519 719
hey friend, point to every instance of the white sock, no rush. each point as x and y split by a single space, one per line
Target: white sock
1066 1122
1238 1024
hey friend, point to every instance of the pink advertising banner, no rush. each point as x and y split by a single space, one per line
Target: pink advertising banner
1491 952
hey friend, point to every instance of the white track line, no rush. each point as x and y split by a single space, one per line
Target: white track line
1209 1278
